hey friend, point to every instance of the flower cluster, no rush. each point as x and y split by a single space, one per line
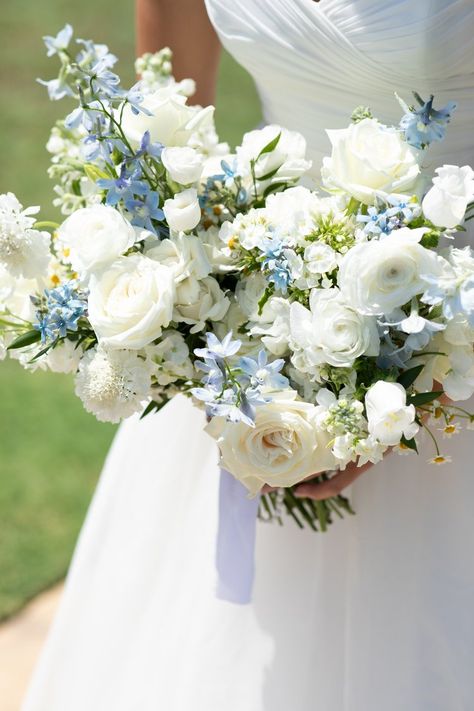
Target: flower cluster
348 304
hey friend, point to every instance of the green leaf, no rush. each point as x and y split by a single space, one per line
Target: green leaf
94 173
269 175
410 443
353 207
274 188
423 398
270 146
26 339
153 406
263 300
408 377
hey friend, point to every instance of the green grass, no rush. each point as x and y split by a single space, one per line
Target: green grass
51 451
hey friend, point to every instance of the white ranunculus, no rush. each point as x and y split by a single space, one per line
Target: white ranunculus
183 254
172 122
93 237
209 304
183 164
369 159
332 331
183 212
113 384
446 202
287 159
131 302
377 276
286 445
389 417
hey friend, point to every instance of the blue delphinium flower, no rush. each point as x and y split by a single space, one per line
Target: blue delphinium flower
145 210
425 125
122 188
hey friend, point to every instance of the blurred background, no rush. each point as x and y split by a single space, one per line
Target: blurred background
51 450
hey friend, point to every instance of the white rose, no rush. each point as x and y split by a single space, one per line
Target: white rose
285 446
131 302
369 159
172 122
332 331
183 164
183 254
183 212
210 304
446 202
287 160
377 276
94 237
389 417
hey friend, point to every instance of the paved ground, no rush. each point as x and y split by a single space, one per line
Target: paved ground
21 639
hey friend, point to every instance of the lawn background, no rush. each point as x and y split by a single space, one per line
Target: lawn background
51 451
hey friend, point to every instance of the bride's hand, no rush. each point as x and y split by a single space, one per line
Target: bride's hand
319 490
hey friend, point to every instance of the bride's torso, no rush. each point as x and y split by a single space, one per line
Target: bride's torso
313 63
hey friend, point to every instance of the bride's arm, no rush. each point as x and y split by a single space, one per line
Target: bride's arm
184 26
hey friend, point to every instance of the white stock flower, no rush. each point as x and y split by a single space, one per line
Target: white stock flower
320 258
209 304
113 384
377 276
369 159
247 230
452 366
131 302
172 122
285 446
63 358
93 237
446 202
24 251
274 332
183 164
287 160
170 358
182 212
332 331
389 417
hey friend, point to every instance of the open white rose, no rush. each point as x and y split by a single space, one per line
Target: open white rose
208 304
94 237
183 212
332 331
131 302
375 277
369 159
286 445
172 122
388 415
446 202
183 164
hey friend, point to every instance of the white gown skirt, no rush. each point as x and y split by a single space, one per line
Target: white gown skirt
375 615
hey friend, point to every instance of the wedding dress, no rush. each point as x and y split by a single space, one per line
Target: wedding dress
378 613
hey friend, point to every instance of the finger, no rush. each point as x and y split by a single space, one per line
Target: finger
319 490
267 489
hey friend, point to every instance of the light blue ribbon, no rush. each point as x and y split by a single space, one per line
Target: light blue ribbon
235 553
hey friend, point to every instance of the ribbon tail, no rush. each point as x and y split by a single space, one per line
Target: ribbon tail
235 553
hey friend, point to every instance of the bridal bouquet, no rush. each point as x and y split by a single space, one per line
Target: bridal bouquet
311 324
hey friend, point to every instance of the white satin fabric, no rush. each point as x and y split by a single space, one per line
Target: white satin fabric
375 615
